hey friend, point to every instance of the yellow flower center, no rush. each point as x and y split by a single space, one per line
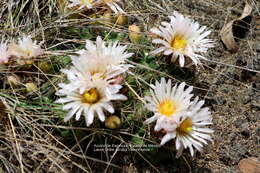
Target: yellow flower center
167 108
179 43
27 52
185 127
91 96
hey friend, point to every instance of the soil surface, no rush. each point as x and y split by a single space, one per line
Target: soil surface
233 93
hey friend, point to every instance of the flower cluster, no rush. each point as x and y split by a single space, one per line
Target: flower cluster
179 116
112 4
26 48
96 73
174 111
183 38
94 80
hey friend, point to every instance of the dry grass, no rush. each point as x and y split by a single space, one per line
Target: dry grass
34 138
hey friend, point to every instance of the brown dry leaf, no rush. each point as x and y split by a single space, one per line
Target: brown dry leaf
249 165
3 111
2 108
226 33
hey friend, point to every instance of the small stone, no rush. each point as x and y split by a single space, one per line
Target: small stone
251 117
230 75
237 152
244 126
220 100
249 165
258 132
243 150
246 99
245 133
225 158
233 137
240 61
255 85
256 105
245 130
238 123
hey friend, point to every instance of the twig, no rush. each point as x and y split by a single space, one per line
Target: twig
140 98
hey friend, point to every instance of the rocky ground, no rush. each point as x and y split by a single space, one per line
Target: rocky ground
233 94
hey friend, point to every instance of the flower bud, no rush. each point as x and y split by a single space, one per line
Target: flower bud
45 66
31 87
134 34
107 18
13 80
113 122
122 20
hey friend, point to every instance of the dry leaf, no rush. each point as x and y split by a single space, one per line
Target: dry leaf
249 165
227 33
3 111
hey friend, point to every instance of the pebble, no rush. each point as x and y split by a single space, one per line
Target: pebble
245 133
225 158
249 165
238 123
245 130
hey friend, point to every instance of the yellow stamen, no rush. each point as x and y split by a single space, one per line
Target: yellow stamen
167 108
91 96
179 43
185 127
27 52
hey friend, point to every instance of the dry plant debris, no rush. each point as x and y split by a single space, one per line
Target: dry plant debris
227 32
